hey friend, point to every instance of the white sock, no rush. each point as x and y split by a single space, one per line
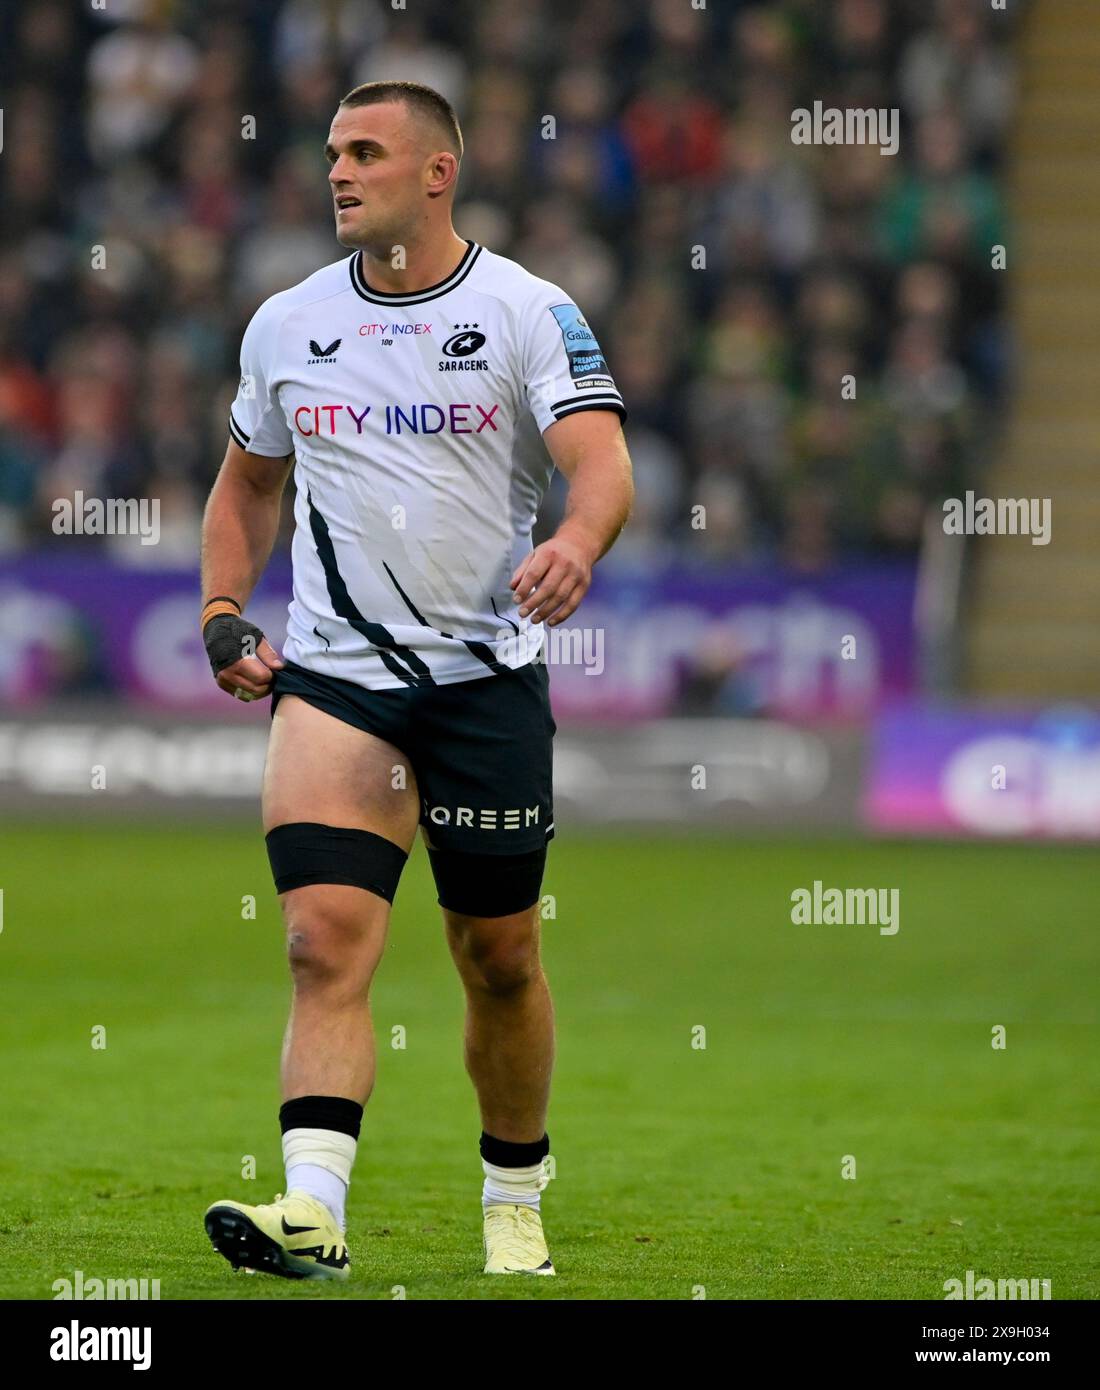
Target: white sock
318 1161
320 1183
522 1186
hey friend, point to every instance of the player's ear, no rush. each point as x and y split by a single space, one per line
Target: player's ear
442 172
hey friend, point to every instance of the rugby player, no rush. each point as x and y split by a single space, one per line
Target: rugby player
424 389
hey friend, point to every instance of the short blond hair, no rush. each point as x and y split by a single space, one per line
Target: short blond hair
424 101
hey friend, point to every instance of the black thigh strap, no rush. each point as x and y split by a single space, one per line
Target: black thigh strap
487 885
305 852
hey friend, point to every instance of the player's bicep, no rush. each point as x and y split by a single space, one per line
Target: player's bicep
587 434
263 474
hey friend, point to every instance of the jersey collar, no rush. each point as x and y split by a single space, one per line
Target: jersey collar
359 284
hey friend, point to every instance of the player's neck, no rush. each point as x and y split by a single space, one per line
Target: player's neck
426 264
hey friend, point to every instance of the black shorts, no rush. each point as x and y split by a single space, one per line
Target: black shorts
481 750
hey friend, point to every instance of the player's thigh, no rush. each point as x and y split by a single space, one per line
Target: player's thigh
485 764
323 770
340 811
485 768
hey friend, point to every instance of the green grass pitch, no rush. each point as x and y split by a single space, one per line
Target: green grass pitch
679 1168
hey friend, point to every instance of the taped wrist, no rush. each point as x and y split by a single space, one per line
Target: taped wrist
227 638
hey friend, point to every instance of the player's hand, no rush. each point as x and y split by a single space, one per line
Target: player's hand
550 583
241 657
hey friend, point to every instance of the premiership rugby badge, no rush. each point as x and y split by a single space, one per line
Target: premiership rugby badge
585 358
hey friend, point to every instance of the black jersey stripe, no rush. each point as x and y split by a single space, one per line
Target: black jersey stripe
414 671
485 654
420 618
501 616
588 396
238 434
479 649
616 406
399 299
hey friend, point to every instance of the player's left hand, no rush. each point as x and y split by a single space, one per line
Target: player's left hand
550 583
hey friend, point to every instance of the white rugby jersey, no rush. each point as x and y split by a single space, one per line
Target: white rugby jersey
415 421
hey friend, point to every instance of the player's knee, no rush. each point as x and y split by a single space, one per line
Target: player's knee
506 972
311 951
497 956
329 946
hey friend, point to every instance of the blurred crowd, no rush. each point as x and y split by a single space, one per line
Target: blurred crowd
734 279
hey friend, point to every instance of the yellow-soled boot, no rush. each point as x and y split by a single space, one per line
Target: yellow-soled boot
514 1242
295 1236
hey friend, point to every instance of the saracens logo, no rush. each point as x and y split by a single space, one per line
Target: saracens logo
323 354
459 349
465 343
